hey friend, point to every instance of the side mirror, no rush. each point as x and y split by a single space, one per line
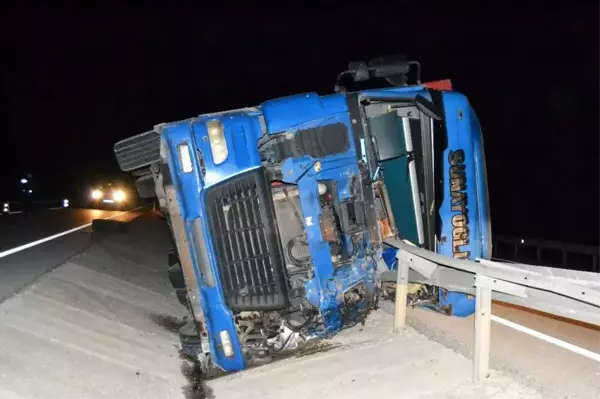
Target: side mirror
359 71
393 68
385 71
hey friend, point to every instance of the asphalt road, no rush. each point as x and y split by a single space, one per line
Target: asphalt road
20 229
22 268
554 371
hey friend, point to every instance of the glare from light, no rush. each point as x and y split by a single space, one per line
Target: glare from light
65 203
30 191
226 343
119 195
522 241
23 181
95 213
96 194
216 139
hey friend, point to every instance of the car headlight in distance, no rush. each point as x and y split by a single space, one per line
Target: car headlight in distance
216 138
96 194
119 195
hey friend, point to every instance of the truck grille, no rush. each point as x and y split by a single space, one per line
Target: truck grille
244 235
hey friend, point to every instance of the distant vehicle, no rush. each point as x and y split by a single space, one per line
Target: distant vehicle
109 194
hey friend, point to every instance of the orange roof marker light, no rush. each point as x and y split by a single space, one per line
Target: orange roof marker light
442 85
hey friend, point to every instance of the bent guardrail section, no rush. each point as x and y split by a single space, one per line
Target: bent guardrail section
567 293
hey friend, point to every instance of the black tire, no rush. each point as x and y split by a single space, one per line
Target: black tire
191 343
176 277
172 257
182 296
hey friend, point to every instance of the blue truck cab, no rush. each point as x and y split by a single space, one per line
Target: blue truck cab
278 212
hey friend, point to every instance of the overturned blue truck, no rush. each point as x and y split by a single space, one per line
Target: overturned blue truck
278 212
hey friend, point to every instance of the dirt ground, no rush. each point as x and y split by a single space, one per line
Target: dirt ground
104 325
372 362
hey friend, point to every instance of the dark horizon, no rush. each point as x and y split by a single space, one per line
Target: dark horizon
76 83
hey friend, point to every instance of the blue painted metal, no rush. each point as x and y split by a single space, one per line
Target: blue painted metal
242 130
464 133
306 110
191 199
326 289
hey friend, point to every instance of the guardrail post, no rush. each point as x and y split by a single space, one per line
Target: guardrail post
401 297
483 319
483 326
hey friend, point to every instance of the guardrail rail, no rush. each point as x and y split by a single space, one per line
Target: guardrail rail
567 293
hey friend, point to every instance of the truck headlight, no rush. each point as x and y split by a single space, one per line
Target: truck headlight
96 194
216 138
119 195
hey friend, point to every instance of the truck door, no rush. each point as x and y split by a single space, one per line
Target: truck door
403 141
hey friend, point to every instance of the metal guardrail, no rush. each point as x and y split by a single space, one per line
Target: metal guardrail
546 253
567 293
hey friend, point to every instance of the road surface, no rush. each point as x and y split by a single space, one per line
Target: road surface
101 325
551 370
24 267
97 318
19 229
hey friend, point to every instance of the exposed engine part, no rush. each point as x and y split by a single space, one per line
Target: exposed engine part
355 306
298 251
287 340
292 191
328 226
264 334
341 225
418 294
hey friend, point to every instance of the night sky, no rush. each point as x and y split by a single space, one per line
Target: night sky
75 83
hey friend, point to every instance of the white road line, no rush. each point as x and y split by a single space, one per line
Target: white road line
563 344
56 208
55 236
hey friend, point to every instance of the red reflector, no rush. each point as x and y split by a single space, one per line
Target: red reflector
444 85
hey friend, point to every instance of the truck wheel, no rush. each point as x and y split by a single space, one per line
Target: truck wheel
191 343
182 296
176 277
172 257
